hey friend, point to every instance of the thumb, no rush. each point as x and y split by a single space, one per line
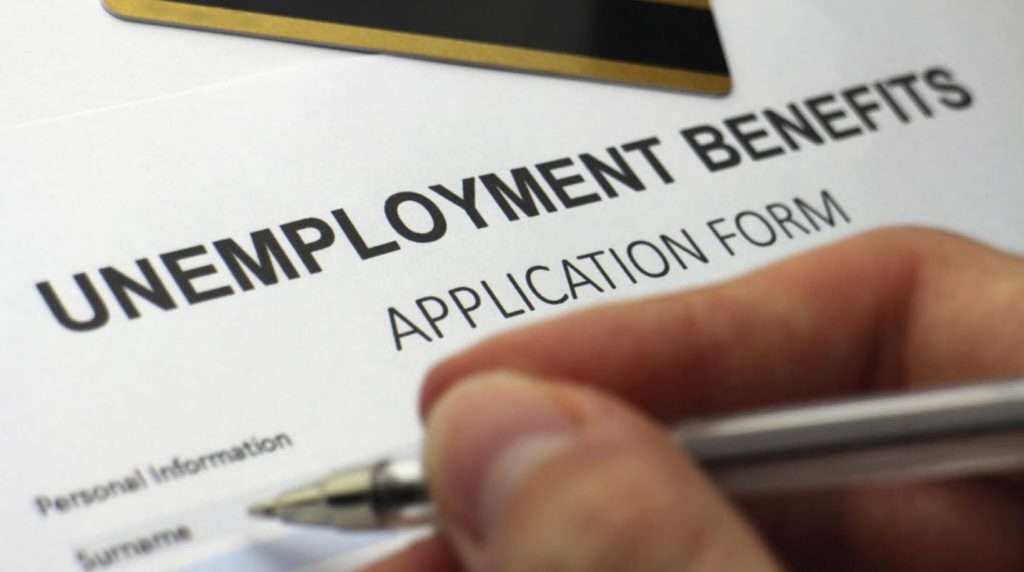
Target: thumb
542 476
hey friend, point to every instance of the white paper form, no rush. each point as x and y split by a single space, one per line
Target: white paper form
62 57
136 443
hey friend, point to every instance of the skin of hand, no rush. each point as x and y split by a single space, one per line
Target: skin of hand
546 451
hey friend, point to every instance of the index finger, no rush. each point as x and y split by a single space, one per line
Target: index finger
888 309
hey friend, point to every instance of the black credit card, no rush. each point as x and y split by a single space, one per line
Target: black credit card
666 43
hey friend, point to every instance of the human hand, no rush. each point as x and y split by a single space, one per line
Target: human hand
545 450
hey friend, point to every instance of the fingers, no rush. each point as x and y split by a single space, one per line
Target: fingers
963 525
539 476
900 307
432 554
888 308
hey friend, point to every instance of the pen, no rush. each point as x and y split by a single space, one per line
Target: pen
921 435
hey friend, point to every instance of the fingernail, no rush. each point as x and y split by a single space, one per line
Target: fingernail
484 437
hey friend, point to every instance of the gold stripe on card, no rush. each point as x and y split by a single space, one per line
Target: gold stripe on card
333 34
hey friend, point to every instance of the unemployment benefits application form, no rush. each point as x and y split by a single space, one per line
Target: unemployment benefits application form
210 297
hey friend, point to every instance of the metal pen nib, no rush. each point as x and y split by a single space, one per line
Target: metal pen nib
389 494
263 509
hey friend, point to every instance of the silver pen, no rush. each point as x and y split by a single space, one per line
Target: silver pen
931 434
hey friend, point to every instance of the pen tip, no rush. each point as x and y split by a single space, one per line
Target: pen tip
262 509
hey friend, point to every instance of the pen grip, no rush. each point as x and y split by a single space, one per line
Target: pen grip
399 494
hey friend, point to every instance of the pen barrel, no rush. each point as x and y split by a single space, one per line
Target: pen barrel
974 429
988 454
959 432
